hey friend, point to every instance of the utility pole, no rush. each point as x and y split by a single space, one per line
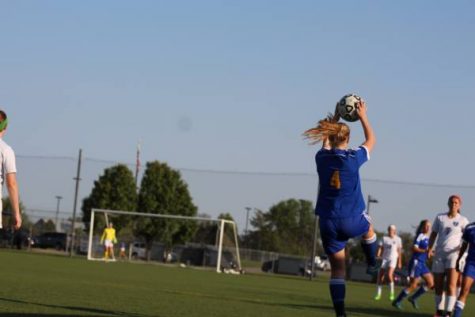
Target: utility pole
57 212
314 249
73 225
137 166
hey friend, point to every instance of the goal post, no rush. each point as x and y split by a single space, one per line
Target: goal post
219 245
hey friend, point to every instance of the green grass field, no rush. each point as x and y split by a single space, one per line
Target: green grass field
46 285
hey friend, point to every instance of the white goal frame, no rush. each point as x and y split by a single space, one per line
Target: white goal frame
221 223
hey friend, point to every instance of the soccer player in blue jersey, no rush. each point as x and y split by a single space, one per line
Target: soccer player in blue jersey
469 270
418 268
340 202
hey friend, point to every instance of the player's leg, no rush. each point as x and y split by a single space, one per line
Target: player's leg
429 279
451 298
337 282
391 280
467 283
334 243
111 251
369 243
414 282
380 281
438 271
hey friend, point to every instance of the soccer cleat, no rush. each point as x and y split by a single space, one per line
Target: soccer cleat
397 305
377 297
413 302
392 297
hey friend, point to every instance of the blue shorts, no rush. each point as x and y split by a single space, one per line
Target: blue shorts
417 268
336 232
469 269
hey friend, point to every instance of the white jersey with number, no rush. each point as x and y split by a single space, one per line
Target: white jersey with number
449 232
7 158
390 247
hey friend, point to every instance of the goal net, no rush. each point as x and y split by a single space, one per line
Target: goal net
174 239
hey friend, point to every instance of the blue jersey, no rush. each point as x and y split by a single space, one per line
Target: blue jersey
469 237
340 194
422 242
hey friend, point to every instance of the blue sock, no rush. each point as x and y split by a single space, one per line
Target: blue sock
458 309
421 291
401 296
338 292
370 248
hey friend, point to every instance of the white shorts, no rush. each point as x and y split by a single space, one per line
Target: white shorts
108 243
389 263
444 261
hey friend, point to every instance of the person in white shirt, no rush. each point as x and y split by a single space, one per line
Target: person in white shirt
447 232
390 251
8 174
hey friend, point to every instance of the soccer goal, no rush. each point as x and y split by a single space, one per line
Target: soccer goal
182 240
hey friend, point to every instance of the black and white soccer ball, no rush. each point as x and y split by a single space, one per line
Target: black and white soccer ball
346 107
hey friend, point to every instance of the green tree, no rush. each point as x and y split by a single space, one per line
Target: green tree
207 232
288 227
163 191
42 226
114 190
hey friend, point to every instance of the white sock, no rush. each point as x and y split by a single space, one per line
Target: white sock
460 305
380 290
440 302
450 302
391 287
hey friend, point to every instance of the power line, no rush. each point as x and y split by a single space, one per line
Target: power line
254 173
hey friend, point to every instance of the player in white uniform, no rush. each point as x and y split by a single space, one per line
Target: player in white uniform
447 232
8 174
390 251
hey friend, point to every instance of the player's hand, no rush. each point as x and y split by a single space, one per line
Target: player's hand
361 109
17 221
429 254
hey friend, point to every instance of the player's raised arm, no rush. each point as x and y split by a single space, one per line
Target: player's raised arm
368 130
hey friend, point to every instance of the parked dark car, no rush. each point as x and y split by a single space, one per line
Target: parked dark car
56 240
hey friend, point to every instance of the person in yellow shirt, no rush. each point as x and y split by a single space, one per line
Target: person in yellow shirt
109 238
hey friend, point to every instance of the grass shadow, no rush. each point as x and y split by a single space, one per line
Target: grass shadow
89 310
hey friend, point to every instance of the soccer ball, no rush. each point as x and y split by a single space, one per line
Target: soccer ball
346 107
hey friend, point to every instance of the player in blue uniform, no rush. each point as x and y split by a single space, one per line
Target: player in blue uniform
469 270
340 202
418 268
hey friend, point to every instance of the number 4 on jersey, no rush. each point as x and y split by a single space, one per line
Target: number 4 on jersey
335 180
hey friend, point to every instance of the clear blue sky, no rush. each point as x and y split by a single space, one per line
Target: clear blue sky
231 85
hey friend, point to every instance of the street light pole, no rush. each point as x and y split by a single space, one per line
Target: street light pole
57 212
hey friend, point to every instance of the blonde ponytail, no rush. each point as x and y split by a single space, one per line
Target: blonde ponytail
328 128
